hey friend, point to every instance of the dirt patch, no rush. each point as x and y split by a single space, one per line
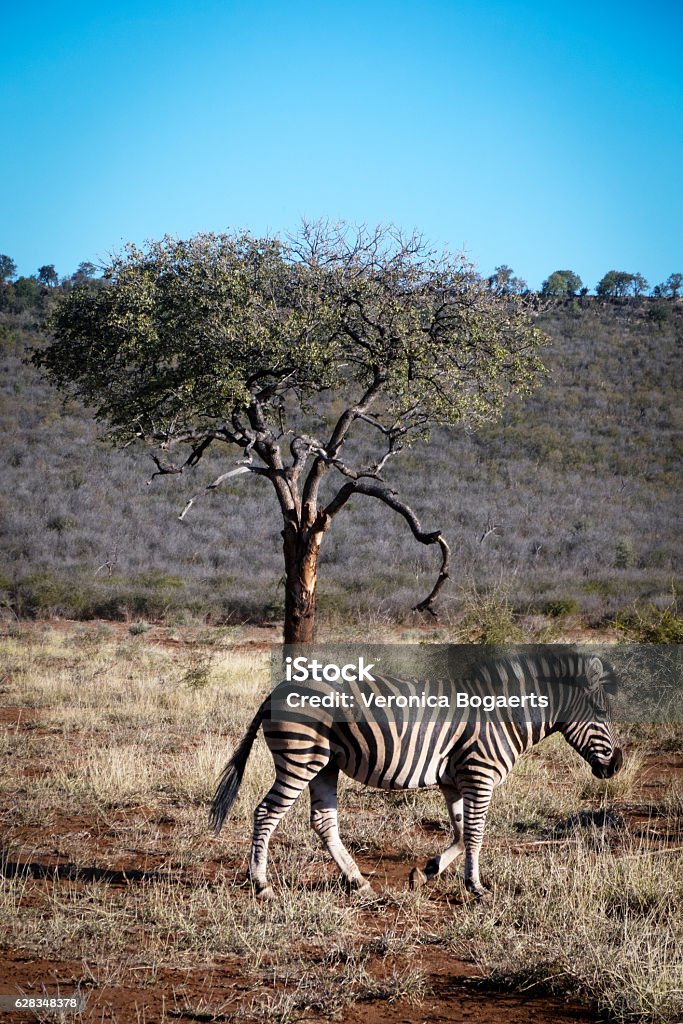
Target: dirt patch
220 991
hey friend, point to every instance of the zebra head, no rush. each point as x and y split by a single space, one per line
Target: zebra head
590 731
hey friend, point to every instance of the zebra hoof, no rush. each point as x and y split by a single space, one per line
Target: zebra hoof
363 888
479 892
417 878
266 895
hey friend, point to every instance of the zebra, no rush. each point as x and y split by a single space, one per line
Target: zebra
466 756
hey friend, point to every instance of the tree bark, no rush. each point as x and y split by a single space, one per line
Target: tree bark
301 551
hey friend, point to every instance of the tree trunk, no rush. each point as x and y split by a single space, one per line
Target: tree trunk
301 550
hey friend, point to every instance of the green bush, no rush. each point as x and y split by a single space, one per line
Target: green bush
651 625
157 579
487 617
60 523
43 594
624 555
198 674
603 588
139 628
561 606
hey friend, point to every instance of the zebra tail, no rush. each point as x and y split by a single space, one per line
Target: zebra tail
231 776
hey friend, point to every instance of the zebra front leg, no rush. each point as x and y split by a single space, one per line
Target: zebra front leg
439 863
477 797
324 822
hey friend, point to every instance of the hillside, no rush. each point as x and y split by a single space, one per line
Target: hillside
577 491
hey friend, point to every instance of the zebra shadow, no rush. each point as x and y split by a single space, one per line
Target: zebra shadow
67 871
600 828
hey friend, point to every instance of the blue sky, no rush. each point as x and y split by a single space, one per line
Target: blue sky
542 135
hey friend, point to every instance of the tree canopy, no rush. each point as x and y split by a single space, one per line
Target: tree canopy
504 282
47 275
619 284
671 287
562 282
8 268
231 339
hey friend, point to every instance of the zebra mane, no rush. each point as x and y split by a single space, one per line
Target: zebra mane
584 671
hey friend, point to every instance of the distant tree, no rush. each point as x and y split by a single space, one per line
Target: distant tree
8 269
615 284
562 282
638 285
671 288
503 282
660 310
47 275
83 272
286 352
25 293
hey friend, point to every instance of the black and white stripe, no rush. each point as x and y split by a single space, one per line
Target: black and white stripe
414 748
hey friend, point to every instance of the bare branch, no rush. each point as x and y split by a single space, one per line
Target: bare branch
197 452
219 480
187 508
337 438
301 447
371 472
396 426
163 468
109 564
379 466
491 527
389 497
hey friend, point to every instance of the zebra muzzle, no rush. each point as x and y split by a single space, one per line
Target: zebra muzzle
606 771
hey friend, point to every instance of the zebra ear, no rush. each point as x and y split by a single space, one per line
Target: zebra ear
593 674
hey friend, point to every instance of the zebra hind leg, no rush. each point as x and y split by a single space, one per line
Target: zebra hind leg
282 794
455 849
324 822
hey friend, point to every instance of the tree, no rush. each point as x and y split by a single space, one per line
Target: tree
562 282
638 285
8 269
618 284
293 352
47 275
503 282
25 293
671 287
612 285
84 272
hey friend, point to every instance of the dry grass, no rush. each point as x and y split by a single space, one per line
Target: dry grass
573 921
111 764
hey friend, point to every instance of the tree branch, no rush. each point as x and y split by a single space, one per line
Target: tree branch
219 480
163 468
385 494
337 438
266 446
490 528
371 472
